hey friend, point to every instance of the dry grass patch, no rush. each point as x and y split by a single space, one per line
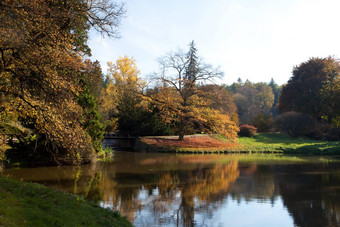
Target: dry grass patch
190 142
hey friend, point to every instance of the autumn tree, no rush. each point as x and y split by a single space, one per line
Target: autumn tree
218 98
314 89
123 101
180 98
42 46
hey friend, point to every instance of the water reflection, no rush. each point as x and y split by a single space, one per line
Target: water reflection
205 190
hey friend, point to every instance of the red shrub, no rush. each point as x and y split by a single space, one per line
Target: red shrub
247 131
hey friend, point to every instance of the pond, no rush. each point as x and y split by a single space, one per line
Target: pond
153 189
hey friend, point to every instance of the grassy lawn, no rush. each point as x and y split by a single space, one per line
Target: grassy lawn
261 143
274 142
29 204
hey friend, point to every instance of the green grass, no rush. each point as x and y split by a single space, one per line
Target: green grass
29 204
274 142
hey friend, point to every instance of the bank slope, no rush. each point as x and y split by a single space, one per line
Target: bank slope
29 204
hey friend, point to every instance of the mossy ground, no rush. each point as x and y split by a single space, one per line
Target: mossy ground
29 204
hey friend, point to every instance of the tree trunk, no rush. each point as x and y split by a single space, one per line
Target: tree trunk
181 136
181 131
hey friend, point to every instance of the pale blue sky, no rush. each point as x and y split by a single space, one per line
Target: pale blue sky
251 39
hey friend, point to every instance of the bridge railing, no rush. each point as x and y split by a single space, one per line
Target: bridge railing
108 135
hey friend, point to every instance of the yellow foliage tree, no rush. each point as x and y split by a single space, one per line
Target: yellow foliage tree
123 101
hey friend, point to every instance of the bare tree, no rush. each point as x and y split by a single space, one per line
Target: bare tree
184 73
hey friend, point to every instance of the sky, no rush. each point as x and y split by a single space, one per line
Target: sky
248 39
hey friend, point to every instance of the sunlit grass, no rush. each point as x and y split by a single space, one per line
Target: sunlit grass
274 142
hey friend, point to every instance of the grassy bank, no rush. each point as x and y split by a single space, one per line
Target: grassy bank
261 143
29 204
274 142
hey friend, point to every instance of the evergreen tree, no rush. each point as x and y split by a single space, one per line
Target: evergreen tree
192 68
276 91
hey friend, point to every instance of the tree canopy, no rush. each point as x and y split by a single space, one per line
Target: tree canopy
123 103
314 89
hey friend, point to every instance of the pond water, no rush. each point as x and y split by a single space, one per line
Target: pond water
205 190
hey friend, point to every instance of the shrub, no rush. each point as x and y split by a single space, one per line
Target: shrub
263 122
247 131
295 124
333 134
319 131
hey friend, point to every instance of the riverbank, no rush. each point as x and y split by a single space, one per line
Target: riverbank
276 142
261 143
29 204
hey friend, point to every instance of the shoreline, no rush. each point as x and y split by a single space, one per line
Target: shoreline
261 143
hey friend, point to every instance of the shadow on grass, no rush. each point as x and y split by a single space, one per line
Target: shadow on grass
325 148
272 138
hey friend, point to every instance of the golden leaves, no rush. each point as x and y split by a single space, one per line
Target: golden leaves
199 110
123 90
39 68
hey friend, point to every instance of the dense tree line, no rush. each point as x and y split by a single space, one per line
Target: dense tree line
256 102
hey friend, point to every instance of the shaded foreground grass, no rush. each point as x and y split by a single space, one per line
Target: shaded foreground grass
261 143
29 204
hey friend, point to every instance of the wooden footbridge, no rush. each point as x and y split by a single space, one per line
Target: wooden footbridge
119 141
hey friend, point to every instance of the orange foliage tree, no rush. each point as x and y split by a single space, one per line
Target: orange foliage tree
185 101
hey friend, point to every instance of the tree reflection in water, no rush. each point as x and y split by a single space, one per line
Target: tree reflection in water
157 189
169 196
311 194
